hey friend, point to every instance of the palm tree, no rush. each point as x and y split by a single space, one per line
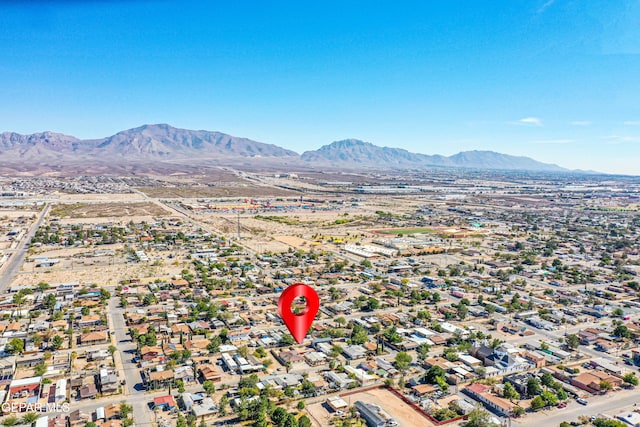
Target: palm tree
29 418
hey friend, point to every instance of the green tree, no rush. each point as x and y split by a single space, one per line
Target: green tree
214 344
40 369
605 385
403 360
16 346
125 410
621 331
286 340
463 310
391 335
304 421
278 416
479 418
10 421
573 341
29 418
300 405
181 421
359 335
50 301
550 398
423 351
290 421
547 380
373 304
433 373
56 342
223 404
538 403
605 422
533 387
630 378
261 420
510 392
209 387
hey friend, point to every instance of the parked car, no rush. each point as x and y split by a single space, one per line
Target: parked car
582 401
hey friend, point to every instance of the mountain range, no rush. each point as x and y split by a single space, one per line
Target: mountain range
166 145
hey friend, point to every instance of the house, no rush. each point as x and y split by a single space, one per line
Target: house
210 373
79 418
150 352
353 352
108 381
338 380
93 338
112 412
159 379
7 367
423 390
590 381
315 358
90 320
166 403
371 414
184 373
536 360
97 355
29 361
88 391
24 387
337 403
289 357
203 407
482 394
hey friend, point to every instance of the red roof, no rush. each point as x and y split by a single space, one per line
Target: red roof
478 388
164 400
21 388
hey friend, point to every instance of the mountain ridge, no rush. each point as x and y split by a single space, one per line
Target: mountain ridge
163 143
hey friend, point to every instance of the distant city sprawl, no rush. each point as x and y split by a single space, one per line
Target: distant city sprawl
447 297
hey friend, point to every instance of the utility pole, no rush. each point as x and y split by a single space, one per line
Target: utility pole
238 225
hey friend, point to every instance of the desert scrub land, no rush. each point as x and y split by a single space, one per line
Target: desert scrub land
99 210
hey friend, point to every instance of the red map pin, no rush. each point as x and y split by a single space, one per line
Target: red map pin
300 323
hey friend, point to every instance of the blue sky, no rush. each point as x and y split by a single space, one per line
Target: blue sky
553 80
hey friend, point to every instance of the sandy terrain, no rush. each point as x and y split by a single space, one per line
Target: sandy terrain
396 408
227 189
104 275
12 214
99 210
99 197
68 252
400 411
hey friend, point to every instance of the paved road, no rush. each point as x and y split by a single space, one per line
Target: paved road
134 389
14 263
610 404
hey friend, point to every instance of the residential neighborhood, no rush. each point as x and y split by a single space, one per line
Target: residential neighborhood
466 305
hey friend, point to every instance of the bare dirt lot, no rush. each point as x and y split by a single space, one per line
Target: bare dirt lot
396 408
99 210
225 190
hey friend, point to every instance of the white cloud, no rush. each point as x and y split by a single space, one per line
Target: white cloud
554 141
580 123
529 121
632 123
546 5
618 139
